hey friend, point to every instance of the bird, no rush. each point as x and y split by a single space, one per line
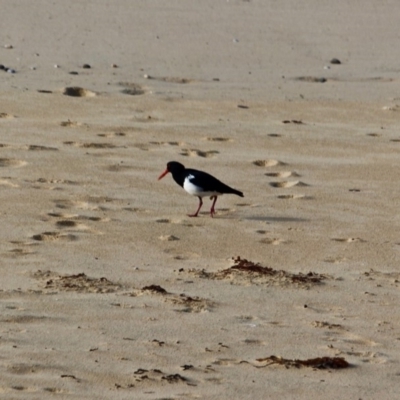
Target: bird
198 183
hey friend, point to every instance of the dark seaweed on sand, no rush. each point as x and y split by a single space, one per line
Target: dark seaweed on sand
81 282
319 362
244 272
244 265
155 288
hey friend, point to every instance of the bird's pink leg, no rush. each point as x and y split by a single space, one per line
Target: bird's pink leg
198 209
212 211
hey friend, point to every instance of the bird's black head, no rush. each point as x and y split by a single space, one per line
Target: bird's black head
174 167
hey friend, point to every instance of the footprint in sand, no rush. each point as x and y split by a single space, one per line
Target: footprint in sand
168 238
175 221
268 163
345 337
347 342
150 378
246 205
313 79
287 184
6 182
70 123
335 260
24 369
270 240
354 339
199 153
227 361
55 390
4 115
137 210
144 119
73 225
249 320
10 162
72 217
23 243
20 252
53 182
164 221
65 204
66 223
34 147
76 91
142 146
62 215
22 372
372 357
24 319
29 369
191 304
132 89
54 236
278 324
221 211
173 143
348 240
293 196
327 325
148 146
254 342
176 143
185 256
390 278
119 168
282 174
273 241
91 145
218 139
89 203
169 79
181 255
112 135
393 107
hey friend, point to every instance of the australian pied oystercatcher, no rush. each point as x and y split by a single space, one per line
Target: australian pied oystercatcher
198 183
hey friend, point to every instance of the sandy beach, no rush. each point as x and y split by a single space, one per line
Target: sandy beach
109 290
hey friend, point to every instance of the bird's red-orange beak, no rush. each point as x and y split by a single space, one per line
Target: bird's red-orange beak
163 174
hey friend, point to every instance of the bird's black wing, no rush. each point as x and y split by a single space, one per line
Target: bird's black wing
209 183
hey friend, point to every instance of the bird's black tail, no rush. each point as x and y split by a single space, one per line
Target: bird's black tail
222 188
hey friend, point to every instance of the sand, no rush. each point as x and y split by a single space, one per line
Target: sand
109 290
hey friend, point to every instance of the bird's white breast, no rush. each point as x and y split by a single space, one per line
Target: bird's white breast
194 190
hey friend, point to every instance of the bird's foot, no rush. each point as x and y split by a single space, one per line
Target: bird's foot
193 215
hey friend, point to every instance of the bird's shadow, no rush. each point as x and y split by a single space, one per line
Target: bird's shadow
275 219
